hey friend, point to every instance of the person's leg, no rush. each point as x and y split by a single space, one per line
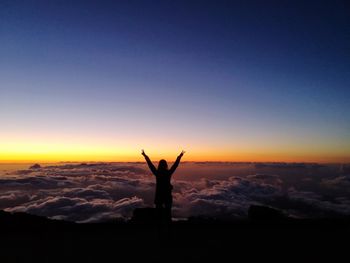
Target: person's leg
168 206
159 211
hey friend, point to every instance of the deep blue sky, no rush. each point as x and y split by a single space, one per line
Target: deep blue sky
231 77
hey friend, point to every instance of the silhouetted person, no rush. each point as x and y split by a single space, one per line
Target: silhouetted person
163 199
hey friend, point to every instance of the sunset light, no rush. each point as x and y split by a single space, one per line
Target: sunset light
174 131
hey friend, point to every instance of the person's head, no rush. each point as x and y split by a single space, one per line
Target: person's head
163 165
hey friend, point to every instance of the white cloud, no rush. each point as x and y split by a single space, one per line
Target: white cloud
97 192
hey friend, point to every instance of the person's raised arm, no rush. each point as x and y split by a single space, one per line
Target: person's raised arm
176 164
149 162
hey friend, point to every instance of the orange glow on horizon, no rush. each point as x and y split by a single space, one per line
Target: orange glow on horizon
51 149
93 154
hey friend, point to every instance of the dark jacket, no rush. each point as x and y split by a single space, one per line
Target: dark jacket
163 180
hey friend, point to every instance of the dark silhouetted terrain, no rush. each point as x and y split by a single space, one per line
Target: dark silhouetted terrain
266 236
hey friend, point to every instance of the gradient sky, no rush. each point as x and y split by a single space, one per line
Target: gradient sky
224 80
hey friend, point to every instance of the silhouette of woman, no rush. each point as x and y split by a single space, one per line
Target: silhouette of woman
163 198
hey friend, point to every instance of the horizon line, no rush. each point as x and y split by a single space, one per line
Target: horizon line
204 161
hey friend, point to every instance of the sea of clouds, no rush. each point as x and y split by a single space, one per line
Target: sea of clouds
96 192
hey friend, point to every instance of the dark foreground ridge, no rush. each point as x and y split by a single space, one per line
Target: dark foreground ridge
267 235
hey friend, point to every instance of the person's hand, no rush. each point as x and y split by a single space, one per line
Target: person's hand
182 153
143 153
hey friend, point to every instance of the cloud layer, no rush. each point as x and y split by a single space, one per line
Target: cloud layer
104 191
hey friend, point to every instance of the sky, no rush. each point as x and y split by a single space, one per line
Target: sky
223 80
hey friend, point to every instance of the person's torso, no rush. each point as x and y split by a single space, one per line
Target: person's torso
163 181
